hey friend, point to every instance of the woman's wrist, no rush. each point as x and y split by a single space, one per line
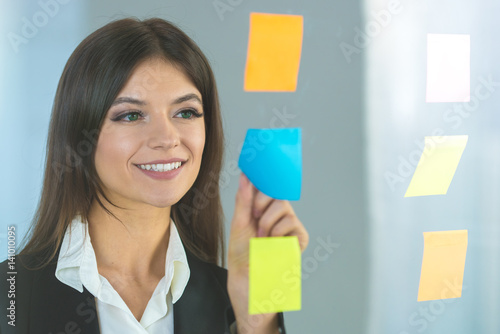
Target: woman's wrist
258 323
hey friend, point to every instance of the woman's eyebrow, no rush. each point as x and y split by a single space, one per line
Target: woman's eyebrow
181 99
130 100
187 97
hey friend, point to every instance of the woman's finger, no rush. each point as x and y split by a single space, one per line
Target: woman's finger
261 203
291 226
274 212
286 226
243 203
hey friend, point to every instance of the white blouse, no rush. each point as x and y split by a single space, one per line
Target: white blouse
77 267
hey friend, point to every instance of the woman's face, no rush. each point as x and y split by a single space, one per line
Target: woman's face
151 143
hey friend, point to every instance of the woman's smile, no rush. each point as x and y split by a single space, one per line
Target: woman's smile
162 171
160 167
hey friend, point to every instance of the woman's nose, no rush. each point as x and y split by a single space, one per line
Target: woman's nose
162 133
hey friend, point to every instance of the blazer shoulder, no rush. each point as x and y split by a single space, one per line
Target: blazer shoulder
43 304
17 275
22 269
18 263
18 270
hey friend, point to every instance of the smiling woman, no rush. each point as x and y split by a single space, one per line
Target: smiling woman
121 242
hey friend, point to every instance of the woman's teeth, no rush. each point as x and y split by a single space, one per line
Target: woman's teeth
161 167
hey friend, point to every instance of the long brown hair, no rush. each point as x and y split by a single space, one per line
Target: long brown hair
92 78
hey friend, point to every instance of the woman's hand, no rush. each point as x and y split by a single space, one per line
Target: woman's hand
256 215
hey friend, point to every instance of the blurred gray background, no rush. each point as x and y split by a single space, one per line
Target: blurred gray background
361 105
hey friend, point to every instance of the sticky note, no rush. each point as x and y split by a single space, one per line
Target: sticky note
272 161
274 275
443 265
274 48
437 165
448 68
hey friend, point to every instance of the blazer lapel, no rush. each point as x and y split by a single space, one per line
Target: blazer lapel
204 302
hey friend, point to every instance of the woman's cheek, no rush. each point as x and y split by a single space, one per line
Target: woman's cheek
196 143
112 154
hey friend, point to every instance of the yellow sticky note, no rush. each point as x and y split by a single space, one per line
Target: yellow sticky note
274 48
448 68
443 265
274 275
437 165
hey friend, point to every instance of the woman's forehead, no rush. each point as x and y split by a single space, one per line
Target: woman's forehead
158 76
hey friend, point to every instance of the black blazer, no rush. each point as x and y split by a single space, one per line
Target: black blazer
44 305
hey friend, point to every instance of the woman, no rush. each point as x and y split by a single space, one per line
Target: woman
129 229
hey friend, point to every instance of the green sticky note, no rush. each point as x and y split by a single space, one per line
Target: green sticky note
275 275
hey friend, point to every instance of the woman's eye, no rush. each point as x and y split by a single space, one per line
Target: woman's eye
186 113
132 117
129 117
189 113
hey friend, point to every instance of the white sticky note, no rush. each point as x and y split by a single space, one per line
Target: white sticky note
448 68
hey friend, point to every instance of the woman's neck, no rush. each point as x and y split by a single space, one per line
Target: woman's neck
137 248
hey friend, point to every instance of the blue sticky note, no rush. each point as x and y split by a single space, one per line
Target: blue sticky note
272 161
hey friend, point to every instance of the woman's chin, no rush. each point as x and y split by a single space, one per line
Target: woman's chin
162 202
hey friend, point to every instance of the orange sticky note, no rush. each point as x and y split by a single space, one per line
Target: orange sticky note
443 265
274 48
